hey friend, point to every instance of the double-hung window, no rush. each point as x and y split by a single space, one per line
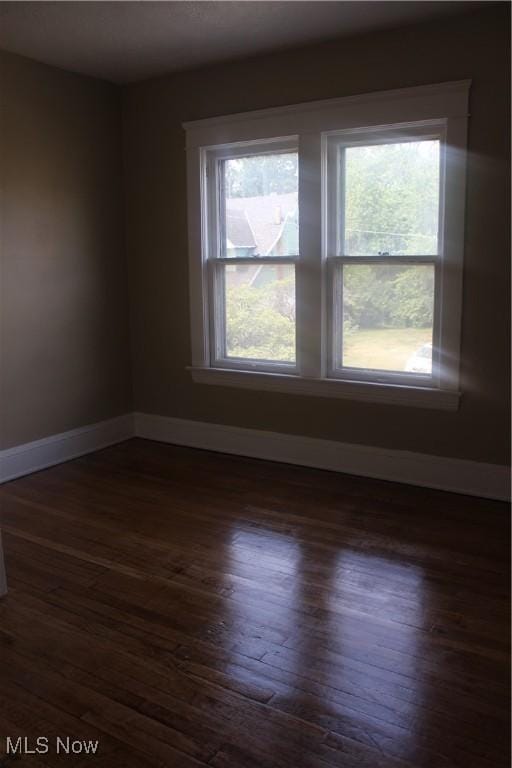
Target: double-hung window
326 245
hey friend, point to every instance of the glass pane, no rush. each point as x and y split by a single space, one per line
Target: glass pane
261 205
388 317
260 311
392 198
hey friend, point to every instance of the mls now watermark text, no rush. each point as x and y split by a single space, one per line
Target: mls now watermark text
42 745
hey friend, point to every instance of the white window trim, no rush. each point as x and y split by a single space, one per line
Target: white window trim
446 104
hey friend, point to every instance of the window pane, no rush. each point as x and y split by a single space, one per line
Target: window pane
260 311
261 205
388 317
392 198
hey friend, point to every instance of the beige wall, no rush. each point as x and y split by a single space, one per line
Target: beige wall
64 352
474 47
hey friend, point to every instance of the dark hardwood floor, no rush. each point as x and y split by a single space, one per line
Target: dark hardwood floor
188 608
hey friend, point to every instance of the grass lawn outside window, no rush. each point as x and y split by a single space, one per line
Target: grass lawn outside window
384 348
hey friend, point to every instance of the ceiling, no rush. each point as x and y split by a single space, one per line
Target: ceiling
129 41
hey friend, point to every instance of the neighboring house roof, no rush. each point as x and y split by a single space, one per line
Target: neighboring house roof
265 216
238 230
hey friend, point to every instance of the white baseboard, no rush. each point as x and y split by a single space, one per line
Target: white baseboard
469 477
31 457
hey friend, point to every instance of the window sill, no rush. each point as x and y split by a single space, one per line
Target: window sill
392 394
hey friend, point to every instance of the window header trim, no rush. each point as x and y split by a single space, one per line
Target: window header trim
428 102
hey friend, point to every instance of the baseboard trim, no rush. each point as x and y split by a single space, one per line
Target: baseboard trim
490 481
31 457
456 475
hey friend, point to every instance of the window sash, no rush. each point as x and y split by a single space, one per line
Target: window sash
216 282
336 369
215 158
335 144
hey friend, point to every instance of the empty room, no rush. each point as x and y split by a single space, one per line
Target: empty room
255 384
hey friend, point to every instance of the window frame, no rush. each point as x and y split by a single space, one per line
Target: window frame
336 259
217 259
314 125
